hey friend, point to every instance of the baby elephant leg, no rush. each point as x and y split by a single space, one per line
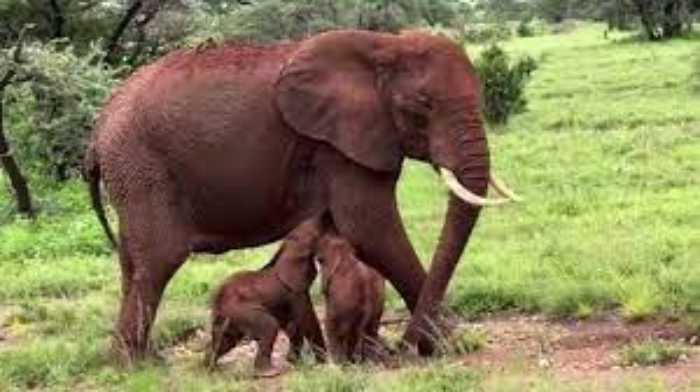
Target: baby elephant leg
338 341
225 336
310 328
264 331
251 321
296 341
372 348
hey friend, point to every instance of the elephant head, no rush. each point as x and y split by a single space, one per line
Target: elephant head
378 98
293 262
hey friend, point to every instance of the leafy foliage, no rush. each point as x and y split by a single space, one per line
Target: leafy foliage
52 115
485 32
273 20
664 19
524 29
503 83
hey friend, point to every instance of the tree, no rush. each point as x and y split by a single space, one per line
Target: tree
17 179
65 94
556 10
663 19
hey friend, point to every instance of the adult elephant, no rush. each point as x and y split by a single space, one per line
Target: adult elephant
233 146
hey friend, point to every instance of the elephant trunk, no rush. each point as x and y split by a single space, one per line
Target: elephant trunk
466 170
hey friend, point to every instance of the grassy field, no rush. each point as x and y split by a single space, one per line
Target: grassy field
607 158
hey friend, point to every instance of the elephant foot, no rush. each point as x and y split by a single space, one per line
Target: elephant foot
427 338
127 355
210 362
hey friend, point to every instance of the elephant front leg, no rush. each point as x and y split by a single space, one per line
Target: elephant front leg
426 323
364 210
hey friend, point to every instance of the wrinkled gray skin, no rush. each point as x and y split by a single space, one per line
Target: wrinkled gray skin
354 296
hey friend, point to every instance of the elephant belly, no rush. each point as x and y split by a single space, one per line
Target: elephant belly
248 192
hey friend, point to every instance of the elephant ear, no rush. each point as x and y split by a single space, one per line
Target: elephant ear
327 91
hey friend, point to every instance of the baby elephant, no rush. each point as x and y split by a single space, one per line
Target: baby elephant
354 295
256 304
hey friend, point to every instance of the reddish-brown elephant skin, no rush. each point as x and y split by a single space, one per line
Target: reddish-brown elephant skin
257 304
233 146
354 297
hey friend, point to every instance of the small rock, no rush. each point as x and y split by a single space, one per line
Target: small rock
693 340
544 363
683 358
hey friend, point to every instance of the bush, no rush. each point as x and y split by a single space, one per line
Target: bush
524 29
503 83
53 113
485 32
274 20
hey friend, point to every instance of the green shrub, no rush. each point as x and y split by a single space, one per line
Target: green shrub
485 32
524 29
503 83
274 20
51 115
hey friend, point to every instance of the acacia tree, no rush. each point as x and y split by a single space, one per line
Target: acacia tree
17 179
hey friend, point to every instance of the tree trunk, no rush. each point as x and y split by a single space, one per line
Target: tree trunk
663 19
113 42
17 180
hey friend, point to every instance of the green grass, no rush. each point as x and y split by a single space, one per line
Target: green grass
651 353
438 377
607 158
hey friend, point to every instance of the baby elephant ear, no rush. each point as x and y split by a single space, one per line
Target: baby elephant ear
327 92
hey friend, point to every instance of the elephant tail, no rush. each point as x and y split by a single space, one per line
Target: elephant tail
92 175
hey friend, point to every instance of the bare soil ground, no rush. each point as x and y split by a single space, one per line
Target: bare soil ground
577 352
517 346
584 351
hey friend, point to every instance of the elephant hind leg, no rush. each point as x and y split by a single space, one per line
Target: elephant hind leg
265 335
153 247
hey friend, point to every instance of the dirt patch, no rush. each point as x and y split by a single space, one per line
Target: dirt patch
584 352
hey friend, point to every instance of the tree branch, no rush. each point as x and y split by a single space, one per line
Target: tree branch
16 58
17 179
113 41
57 19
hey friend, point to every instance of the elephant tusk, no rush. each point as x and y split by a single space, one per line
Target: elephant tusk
466 195
502 189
